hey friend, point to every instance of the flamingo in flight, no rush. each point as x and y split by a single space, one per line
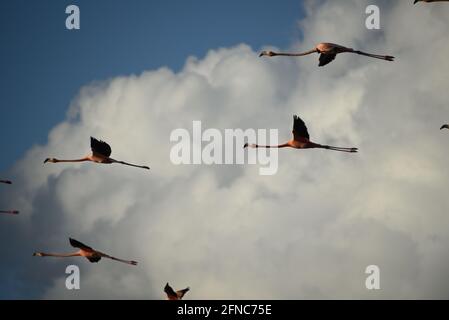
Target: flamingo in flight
301 140
8 211
100 154
328 52
444 126
175 295
416 1
84 251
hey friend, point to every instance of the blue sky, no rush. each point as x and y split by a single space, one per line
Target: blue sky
44 65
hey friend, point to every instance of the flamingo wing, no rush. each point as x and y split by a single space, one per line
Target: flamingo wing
100 147
169 291
181 293
76 244
93 259
326 58
299 129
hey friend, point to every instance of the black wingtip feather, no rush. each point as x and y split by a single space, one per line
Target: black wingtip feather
77 244
100 147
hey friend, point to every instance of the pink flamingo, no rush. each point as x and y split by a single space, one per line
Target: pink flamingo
416 1
85 251
8 211
301 140
100 154
328 52
175 295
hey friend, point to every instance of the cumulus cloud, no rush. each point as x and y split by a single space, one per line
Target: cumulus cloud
307 232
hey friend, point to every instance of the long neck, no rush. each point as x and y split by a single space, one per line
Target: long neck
75 160
60 255
296 54
284 145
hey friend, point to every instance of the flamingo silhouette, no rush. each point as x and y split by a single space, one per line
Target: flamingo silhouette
100 154
85 251
175 295
8 211
328 52
416 1
301 140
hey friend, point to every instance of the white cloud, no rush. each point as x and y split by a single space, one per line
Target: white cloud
307 232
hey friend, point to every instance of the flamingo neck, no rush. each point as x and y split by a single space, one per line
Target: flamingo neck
75 160
284 145
61 255
296 54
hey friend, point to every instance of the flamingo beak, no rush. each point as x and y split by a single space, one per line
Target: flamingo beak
261 54
245 146
46 160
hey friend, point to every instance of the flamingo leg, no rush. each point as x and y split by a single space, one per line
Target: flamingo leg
130 164
341 149
131 262
376 56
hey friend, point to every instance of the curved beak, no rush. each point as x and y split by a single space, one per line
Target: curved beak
245 146
261 54
446 126
46 160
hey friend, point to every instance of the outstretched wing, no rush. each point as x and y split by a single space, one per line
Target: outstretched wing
299 128
100 147
80 245
169 291
181 293
326 58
